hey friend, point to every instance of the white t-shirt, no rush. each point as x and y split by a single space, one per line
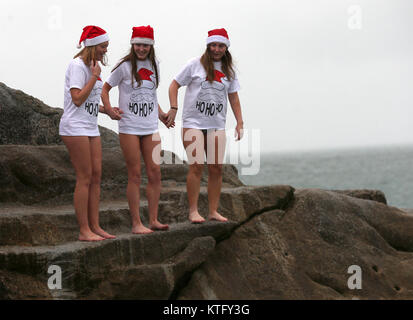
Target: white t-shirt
205 104
83 120
140 103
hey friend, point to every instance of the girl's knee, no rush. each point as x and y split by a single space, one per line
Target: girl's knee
84 178
154 174
134 177
96 176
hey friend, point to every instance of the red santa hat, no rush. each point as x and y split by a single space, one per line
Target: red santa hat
92 36
218 35
142 35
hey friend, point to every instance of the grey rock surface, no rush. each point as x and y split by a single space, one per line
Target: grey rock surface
26 120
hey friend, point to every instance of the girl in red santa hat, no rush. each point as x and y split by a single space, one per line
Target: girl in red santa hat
137 77
210 79
79 129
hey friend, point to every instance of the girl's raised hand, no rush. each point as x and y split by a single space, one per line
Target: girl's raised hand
95 68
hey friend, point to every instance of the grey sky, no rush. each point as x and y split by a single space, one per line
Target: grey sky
309 79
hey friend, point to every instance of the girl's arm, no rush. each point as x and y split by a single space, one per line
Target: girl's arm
79 96
236 108
114 113
161 113
173 102
173 93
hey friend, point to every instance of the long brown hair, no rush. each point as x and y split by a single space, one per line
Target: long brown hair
227 65
131 56
88 54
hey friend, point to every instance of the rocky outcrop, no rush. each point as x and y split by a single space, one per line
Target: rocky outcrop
25 120
375 195
304 252
280 243
151 266
34 174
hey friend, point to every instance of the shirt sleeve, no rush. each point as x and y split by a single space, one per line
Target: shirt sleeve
184 77
77 76
234 86
116 76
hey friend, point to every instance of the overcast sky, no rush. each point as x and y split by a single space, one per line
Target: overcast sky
314 74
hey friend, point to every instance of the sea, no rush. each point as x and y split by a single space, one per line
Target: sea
389 169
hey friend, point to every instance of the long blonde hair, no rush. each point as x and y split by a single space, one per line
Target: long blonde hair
88 54
131 56
227 65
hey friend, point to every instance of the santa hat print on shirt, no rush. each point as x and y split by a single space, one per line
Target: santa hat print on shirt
145 76
218 75
143 35
216 84
92 36
218 35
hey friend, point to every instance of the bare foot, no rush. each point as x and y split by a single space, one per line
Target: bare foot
90 236
195 217
159 226
99 231
217 217
141 229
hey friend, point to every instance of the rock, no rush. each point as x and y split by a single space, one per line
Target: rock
34 174
236 203
156 281
19 286
304 252
132 266
55 225
375 195
300 246
26 120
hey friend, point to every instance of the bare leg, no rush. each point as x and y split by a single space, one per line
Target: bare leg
94 188
79 151
130 145
193 140
151 151
215 150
